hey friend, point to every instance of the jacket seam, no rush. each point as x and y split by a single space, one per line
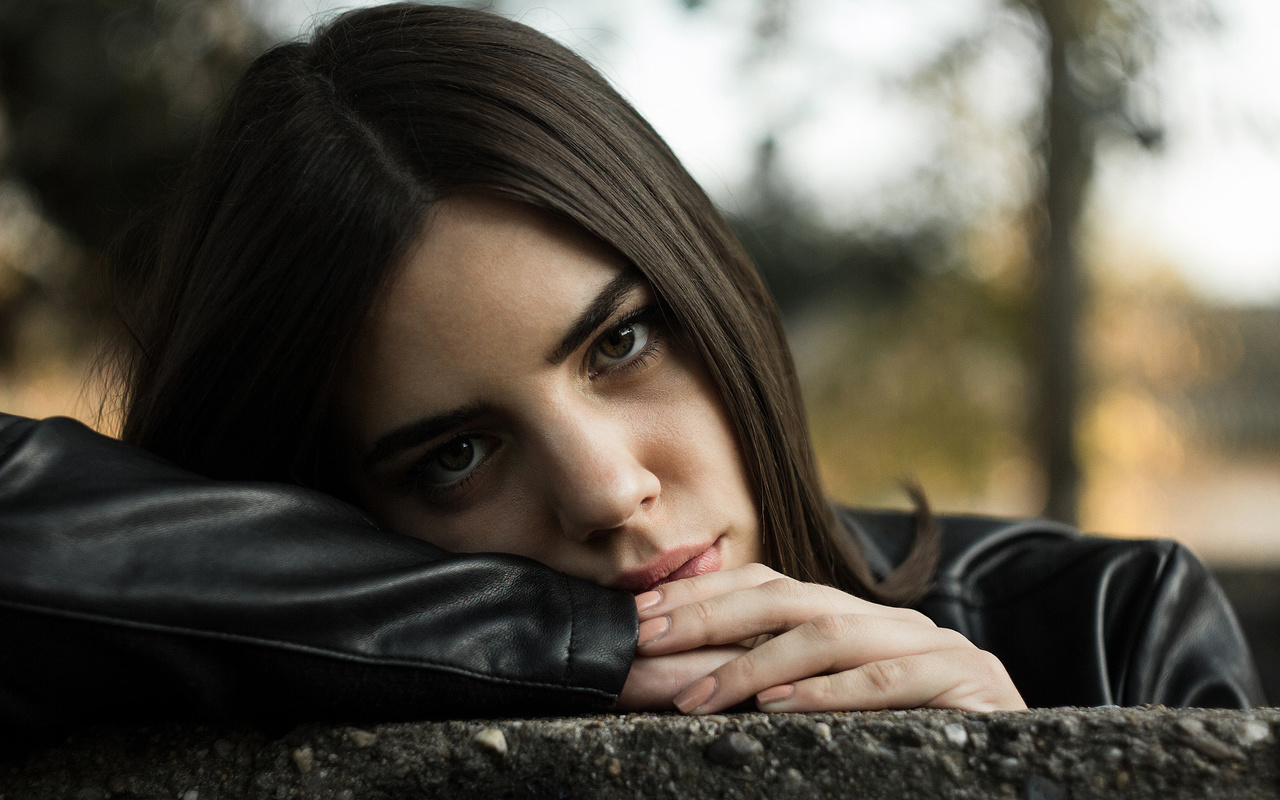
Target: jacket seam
155 627
573 629
1148 602
976 599
998 540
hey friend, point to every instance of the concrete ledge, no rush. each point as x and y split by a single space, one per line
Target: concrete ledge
1037 755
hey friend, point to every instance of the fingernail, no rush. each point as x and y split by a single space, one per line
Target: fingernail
651 630
648 600
696 695
775 694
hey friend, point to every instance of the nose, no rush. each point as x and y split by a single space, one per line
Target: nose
597 476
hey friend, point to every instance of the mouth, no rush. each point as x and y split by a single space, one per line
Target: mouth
672 565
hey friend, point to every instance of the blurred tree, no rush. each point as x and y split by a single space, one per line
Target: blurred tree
100 101
104 97
804 260
1096 85
801 258
911 363
1094 51
1099 56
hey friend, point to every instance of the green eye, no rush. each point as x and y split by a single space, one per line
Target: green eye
622 343
456 455
455 460
619 343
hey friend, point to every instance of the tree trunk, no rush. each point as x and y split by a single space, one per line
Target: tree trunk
1059 295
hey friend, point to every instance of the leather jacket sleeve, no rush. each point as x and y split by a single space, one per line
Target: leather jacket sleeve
132 589
1081 620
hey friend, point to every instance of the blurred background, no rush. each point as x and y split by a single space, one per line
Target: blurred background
1028 252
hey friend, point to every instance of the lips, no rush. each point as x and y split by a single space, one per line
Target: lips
672 565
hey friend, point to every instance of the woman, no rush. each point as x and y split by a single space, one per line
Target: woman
434 248
517 390
432 264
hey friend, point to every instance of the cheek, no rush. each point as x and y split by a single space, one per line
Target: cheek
685 440
693 443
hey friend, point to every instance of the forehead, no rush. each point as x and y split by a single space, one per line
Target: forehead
487 254
478 304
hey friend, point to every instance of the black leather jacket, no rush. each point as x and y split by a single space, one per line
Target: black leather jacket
132 589
1080 620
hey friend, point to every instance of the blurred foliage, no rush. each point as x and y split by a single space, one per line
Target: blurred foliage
804 259
1182 426
913 363
100 103
913 357
1241 410
1212 371
103 98
932 388
950 344
916 340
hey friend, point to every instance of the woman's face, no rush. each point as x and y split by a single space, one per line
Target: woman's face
517 392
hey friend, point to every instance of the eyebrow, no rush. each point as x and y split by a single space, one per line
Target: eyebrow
415 433
600 310
406 437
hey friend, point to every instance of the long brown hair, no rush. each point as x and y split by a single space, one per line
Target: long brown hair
315 181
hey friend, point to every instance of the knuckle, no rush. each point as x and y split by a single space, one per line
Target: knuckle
989 666
910 615
920 619
746 667
986 687
783 589
885 676
704 611
822 689
832 627
955 639
759 572
673 594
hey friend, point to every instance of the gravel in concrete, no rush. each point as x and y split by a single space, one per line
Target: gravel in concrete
1053 754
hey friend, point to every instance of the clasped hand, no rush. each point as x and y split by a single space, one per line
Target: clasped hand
816 649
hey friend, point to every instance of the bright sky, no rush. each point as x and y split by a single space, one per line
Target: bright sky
1212 201
859 144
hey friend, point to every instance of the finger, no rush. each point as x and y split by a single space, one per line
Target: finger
963 678
678 593
653 683
771 607
824 644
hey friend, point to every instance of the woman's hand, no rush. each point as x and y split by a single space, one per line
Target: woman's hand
654 681
829 651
